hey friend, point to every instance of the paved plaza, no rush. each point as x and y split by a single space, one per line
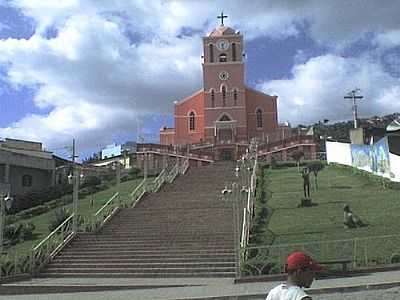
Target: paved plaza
380 285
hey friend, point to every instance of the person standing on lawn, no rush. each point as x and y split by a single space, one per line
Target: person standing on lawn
301 270
306 182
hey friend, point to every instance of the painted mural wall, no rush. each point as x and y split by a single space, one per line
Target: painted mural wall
374 158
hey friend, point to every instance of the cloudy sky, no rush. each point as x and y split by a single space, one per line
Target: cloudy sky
102 71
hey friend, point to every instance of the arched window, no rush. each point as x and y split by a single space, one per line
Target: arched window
212 98
211 48
224 118
222 57
233 52
26 180
192 124
259 118
223 95
235 97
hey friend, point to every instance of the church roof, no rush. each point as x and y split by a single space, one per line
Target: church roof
222 30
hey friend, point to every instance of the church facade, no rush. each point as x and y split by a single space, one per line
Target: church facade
225 113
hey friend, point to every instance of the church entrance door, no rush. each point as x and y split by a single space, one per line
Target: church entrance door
226 154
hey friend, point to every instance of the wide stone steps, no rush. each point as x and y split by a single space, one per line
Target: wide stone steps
184 230
152 265
98 248
152 256
58 274
164 270
76 260
211 251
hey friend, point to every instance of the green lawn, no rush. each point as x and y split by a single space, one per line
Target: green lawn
42 222
283 227
287 223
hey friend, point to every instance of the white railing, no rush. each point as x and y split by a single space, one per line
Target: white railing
138 192
51 244
185 166
157 182
173 173
360 252
104 213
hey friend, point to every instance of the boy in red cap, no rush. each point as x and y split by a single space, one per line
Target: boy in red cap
301 270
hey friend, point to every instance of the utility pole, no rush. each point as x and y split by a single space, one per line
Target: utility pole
2 221
118 169
75 184
352 95
5 202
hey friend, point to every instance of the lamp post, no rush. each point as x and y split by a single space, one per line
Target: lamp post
74 179
117 167
5 203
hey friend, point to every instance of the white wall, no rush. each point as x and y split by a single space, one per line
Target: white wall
395 166
341 153
338 153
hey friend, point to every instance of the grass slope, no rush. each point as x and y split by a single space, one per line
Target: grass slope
42 221
378 207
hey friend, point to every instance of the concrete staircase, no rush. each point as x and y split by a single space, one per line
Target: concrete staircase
184 230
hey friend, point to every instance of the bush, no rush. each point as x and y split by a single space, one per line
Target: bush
90 181
60 215
134 172
12 233
34 211
35 198
395 258
27 231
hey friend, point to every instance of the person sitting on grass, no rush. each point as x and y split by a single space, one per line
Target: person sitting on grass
351 220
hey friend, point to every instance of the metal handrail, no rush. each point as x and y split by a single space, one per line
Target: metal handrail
158 181
107 203
361 252
138 192
185 166
51 244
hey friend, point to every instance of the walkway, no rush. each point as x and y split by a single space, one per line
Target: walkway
380 285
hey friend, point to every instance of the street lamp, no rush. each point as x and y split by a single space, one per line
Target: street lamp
5 203
74 179
117 167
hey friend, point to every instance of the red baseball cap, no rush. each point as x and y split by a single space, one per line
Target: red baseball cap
299 260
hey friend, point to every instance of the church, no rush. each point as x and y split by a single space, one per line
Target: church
225 114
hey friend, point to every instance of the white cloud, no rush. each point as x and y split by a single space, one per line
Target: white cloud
124 59
316 89
388 39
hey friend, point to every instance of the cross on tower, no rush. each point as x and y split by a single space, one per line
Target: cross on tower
222 18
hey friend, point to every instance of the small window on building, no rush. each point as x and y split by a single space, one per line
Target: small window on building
192 124
224 118
212 98
211 49
259 118
26 180
233 52
223 96
222 57
235 97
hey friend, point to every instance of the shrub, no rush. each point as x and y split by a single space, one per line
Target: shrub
90 181
12 233
134 172
395 258
34 211
27 231
60 215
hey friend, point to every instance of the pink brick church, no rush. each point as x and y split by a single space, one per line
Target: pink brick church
225 113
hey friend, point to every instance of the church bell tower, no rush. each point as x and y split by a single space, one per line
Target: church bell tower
224 88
